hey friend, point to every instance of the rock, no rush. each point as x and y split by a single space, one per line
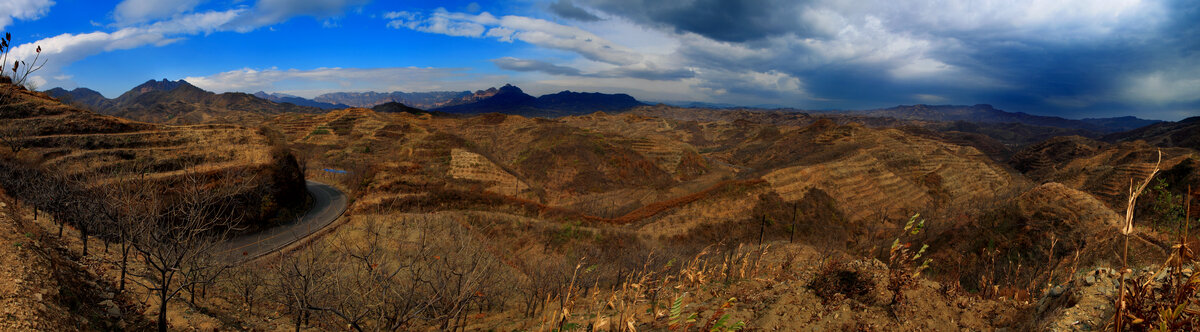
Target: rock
1161 276
107 295
1058 290
1089 280
111 308
37 297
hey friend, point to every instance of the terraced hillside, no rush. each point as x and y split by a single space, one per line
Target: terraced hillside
473 166
1105 170
535 196
871 172
1038 238
642 169
98 148
1183 133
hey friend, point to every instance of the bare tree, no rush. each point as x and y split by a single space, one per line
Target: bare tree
60 195
301 280
362 281
371 283
246 281
131 203
177 249
461 270
389 283
15 136
542 280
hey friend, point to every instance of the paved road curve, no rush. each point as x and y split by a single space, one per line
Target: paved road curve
328 204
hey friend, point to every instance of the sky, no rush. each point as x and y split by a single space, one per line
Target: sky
1069 58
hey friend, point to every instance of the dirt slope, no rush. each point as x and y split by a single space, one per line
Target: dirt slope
97 148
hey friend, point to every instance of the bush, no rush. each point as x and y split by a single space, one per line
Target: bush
835 279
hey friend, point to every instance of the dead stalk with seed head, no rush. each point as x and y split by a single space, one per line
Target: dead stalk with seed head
1127 230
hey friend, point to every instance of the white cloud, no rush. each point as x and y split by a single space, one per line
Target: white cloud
1165 87
22 10
66 49
400 15
140 11
538 32
313 82
439 24
920 67
268 12
771 84
930 98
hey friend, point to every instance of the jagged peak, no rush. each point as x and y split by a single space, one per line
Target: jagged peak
163 85
509 88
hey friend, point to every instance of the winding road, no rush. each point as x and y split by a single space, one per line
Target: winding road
328 204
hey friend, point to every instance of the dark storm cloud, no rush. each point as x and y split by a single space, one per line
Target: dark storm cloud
723 20
1070 58
567 9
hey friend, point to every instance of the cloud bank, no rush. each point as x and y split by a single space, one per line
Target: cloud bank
22 10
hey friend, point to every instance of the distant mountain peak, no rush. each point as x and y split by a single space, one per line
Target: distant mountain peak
164 85
509 88
509 99
395 107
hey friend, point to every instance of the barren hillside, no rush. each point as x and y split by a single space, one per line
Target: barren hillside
96 148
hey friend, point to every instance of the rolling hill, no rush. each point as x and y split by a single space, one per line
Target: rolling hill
81 97
100 148
1183 133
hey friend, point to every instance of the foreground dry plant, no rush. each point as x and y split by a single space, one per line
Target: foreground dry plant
1164 300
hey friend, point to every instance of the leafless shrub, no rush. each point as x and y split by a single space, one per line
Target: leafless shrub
177 249
20 69
301 280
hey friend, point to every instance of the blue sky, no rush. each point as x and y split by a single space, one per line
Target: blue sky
1072 58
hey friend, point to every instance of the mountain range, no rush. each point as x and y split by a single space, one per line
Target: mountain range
168 101
984 113
297 100
510 99
178 102
422 100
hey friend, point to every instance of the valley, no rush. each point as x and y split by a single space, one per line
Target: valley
551 208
